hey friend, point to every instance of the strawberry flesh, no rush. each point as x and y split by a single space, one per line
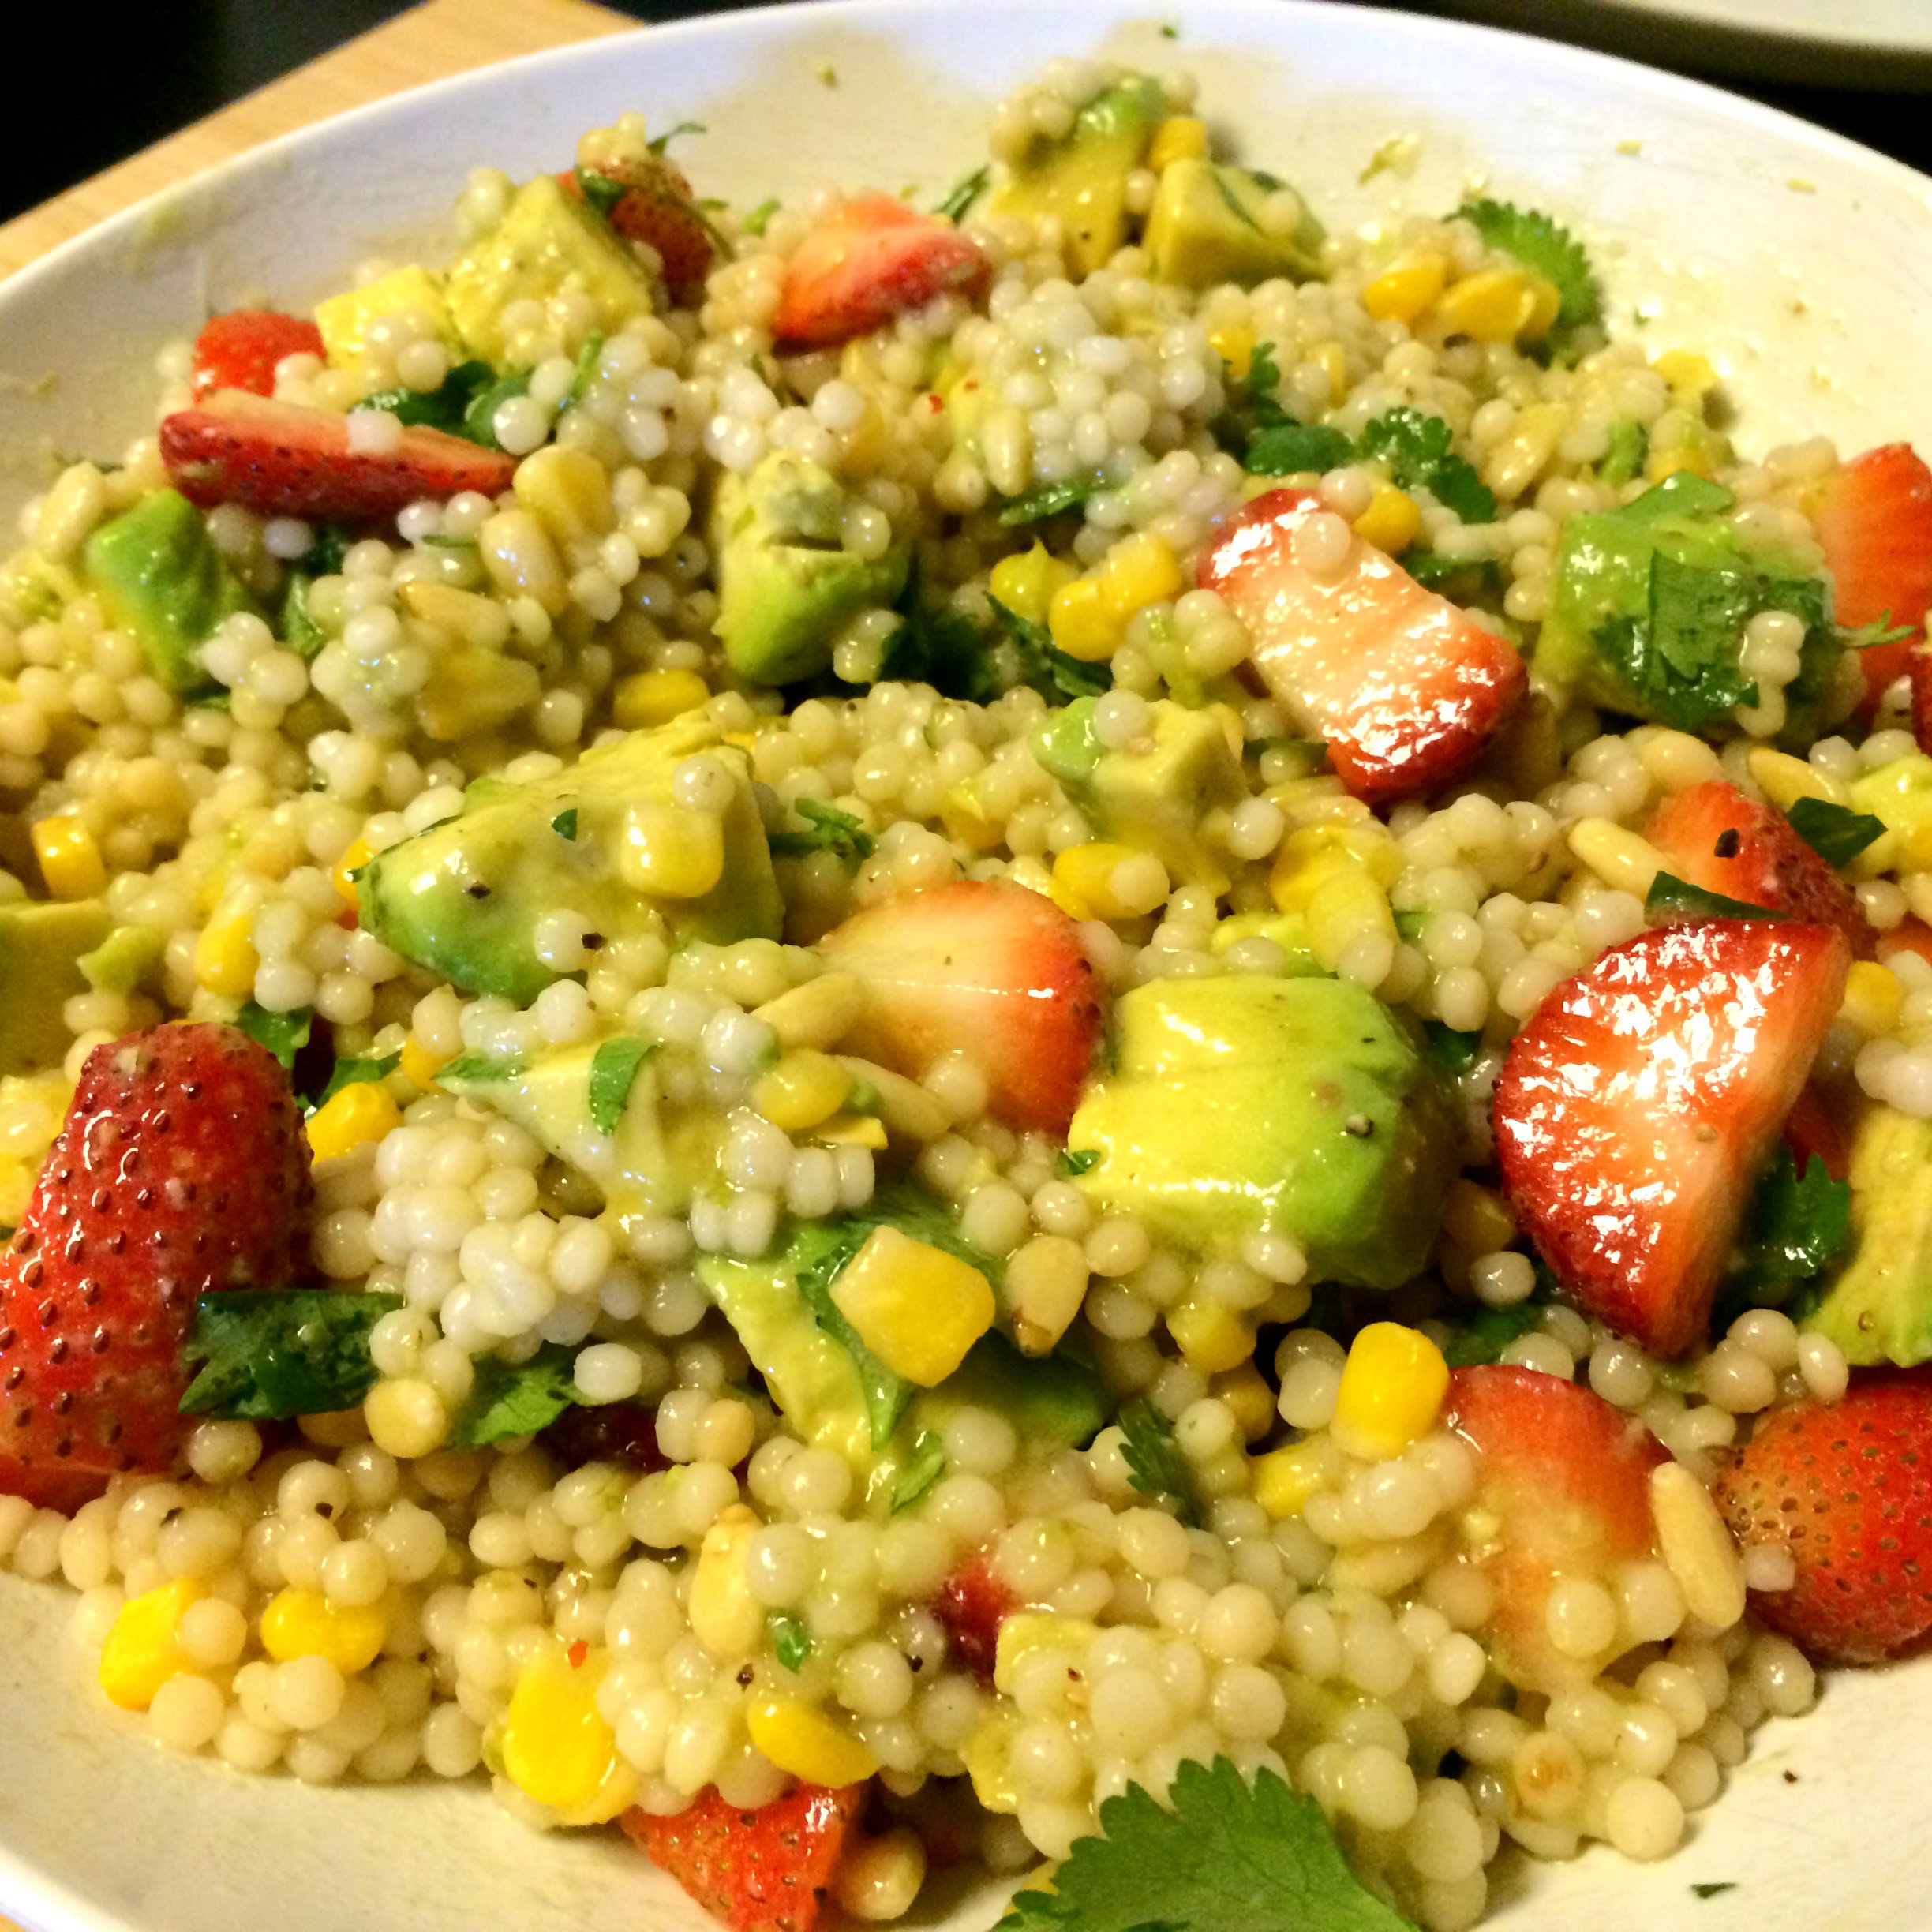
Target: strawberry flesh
1563 1491
1845 1488
870 259
985 969
658 207
1404 687
1714 836
767 1870
1639 1102
181 1171
971 1604
240 351
280 459
1873 517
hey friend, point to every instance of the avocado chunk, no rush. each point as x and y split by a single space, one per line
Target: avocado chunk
128 958
1082 176
158 575
547 241
787 586
1054 1401
1300 1107
1155 793
1650 608
1211 224
464 898
1879 1310
40 947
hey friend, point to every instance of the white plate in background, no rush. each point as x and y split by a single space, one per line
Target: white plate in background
1803 265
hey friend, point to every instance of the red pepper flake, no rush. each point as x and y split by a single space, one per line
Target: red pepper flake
576 1653
935 402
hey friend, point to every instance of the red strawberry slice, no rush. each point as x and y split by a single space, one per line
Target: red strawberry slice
1715 837
983 968
181 1170
283 460
972 1603
1563 1490
240 351
1641 1098
1918 669
1846 1488
767 1870
872 259
1404 686
658 207
1873 516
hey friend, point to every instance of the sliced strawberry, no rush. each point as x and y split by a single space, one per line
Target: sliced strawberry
181 1171
1873 516
1911 934
1918 669
240 351
872 259
1404 687
283 460
982 968
658 207
1563 1491
1846 1488
767 1870
972 1603
1814 1131
1641 1098
1715 837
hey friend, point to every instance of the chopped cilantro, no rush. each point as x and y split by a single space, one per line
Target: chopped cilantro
1454 1052
1463 579
613 1071
1795 1226
664 140
964 193
924 1468
1289 448
1672 898
828 829
585 370
1048 669
283 1034
298 628
564 824
1882 630
790 1642
1155 1466
1488 1332
1835 833
1079 1160
515 1399
475 1066
601 193
759 219
1223 1855
356 1072
1416 447
939 645
1046 500
1709 1888
271 1354
446 408
479 421
1546 248
323 557
1629 451
1253 406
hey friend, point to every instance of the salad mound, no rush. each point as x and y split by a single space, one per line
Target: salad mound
1074 1031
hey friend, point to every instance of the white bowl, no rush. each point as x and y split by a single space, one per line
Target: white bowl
1800 263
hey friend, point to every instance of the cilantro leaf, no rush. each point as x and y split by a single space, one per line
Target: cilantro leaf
759 219
515 1399
1416 447
283 1034
1672 898
601 193
1461 578
829 830
1289 448
355 1073
926 1466
790 1642
613 1071
1155 1466
1079 1160
1835 833
1796 1225
1546 248
1253 406
1488 1331
564 824
446 408
1225 1856
1046 500
939 645
479 420
476 1066
1454 1052
664 140
1050 671
964 193
585 370
1710 1888
1882 630
271 1354
1629 451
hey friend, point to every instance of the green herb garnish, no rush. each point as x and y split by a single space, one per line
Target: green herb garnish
1155 1466
267 1354
613 1071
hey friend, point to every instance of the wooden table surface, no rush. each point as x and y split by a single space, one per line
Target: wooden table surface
439 37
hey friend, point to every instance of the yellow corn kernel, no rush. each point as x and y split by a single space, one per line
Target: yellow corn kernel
225 955
1403 291
865 1130
1213 1338
1689 375
1624 859
567 490
724 1617
304 1623
1089 875
1082 622
648 698
1333 361
1312 855
420 1064
1139 571
141 1652
1543 316
1026 583
1343 912
805 1087
357 1115
1235 345
359 853
799 1738
1476 1217
672 851
1784 779
1249 1399
1873 998
1025 1633
558 1747
70 860
918 1308
405 1417
988 1759
1392 1388
1493 305
1285 1478
1391 523
1180 137
346 320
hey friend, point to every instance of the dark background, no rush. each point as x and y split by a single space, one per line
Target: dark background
156 68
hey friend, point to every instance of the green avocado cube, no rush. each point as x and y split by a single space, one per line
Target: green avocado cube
1294 1106
1211 224
1878 1308
41 943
